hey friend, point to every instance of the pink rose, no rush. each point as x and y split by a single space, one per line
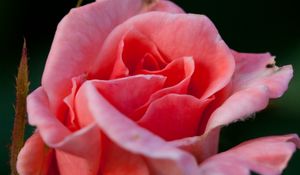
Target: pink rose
140 87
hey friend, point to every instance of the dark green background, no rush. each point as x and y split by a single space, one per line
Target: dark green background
248 26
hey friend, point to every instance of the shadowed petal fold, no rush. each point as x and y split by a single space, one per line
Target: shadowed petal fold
201 147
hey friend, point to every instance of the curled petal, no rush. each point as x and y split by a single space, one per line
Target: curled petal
71 120
197 37
175 83
36 158
255 69
174 116
79 38
56 135
201 147
133 51
39 114
255 81
141 87
161 157
116 92
239 106
266 156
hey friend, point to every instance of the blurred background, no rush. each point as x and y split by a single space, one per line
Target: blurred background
246 26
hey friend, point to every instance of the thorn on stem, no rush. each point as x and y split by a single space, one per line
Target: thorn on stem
20 110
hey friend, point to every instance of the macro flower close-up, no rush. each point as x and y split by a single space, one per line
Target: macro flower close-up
140 87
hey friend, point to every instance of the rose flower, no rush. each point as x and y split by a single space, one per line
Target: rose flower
138 87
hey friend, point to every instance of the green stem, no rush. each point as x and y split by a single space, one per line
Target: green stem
22 85
79 2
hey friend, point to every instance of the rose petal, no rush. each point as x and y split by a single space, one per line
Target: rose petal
132 50
180 36
116 92
174 116
268 155
51 129
79 38
70 120
162 157
252 88
118 161
36 158
202 146
140 87
74 165
255 69
57 136
219 97
239 106
176 83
